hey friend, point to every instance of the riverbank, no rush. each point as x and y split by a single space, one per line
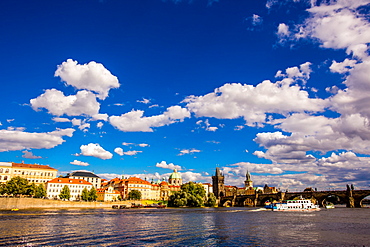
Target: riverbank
8 203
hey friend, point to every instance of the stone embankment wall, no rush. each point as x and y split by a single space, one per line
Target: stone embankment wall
27 203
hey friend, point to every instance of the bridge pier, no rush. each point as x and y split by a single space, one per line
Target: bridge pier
350 202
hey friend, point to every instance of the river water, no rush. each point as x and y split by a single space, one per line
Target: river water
185 227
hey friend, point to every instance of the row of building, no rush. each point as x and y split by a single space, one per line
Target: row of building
118 188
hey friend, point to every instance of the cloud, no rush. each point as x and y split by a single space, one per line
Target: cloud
235 100
256 20
11 140
82 125
339 25
188 151
213 129
171 166
144 101
61 120
143 145
132 152
92 76
301 73
79 163
283 30
95 150
82 103
134 121
342 67
120 151
134 144
30 155
100 116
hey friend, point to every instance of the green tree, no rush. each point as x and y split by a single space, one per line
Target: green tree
211 200
31 190
2 189
191 195
178 199
65 193
194 189
92 194
134 195
18 186
40 191
85 194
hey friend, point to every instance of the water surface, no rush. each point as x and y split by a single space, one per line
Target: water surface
184 227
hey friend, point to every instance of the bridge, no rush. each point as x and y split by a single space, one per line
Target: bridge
352 198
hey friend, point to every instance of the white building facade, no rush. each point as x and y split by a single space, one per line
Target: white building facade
54 187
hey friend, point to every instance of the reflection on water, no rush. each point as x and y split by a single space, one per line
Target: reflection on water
184 227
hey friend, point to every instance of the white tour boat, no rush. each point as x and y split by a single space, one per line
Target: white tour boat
295 205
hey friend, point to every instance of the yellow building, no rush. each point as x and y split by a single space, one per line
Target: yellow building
37 174
107 194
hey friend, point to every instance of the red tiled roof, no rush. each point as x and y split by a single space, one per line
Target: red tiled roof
163 183
32 166
69 181
174 186
137 180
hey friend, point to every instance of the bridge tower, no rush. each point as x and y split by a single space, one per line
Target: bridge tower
248 182
218 184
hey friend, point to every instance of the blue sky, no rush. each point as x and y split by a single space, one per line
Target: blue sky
279 88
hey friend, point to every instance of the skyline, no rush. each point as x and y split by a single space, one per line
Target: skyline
139 88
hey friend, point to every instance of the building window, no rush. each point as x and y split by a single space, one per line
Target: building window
1 170
5 178
7 171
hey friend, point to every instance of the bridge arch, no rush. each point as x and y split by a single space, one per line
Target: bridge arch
227 203
268 197
248 202
359 197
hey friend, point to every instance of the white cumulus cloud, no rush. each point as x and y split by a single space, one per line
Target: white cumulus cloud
79 163
95 150
11 140
92 76
135 121
253 102
171 166
82 103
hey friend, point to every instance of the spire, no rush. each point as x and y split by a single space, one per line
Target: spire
248 176
218 173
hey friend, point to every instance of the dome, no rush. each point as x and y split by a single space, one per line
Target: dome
175 175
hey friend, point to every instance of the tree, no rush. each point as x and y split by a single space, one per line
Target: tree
134 195
211 201
2 189
40 191
65 193
191 195
92 194
85 194
18 186
31 190
194 189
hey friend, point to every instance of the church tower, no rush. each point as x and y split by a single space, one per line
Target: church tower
218 184
248 182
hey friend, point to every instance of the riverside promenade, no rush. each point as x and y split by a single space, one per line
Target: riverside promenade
8 203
